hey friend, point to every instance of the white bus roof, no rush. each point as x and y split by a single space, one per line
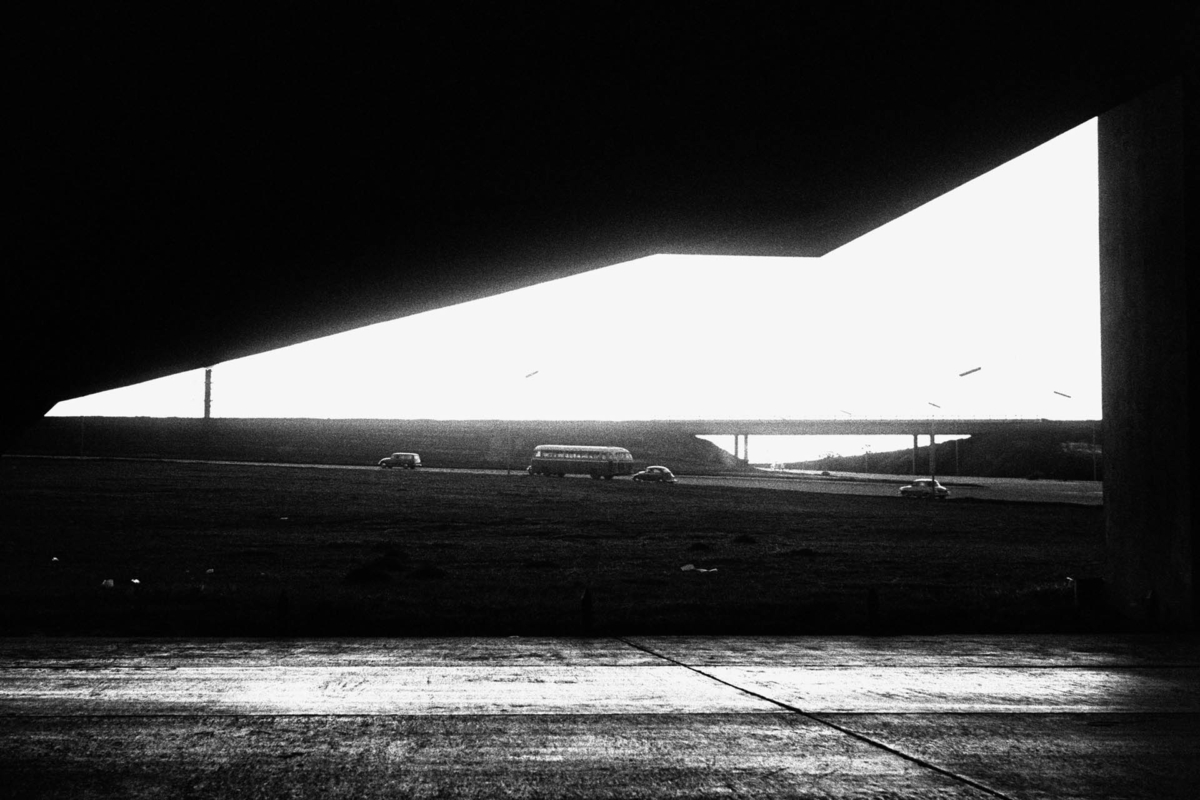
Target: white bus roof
585 448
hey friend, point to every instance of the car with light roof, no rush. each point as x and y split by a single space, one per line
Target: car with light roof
655 474
926 488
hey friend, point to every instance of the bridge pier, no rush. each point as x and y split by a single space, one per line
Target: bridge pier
1149 152
741 447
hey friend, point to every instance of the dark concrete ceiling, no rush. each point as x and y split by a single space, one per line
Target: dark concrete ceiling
193 187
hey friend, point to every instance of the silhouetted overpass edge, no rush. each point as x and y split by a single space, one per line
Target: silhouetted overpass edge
800 427
861 427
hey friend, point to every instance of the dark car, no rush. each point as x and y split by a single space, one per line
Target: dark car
655 475
405 460
927 488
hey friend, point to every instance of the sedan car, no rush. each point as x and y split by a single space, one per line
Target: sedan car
926 487
655 474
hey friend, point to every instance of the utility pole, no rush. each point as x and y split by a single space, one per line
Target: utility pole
208 393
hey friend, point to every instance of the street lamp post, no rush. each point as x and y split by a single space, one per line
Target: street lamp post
932 446
933 435
1095 476
508 468
957 470
508 449
1095 473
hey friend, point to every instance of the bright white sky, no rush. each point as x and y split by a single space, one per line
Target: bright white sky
1002 273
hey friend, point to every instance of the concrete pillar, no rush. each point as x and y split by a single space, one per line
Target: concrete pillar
932 453
1148 152
746 448
208 393
914 458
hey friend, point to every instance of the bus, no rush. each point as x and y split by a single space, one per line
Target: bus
576 459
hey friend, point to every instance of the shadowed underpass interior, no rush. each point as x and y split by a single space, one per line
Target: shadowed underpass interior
193 187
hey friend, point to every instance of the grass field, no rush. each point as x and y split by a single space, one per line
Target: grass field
231 550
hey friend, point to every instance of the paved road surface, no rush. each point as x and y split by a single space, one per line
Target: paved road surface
1003 489
962 717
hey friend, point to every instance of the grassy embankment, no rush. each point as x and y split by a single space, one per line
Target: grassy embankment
456 444
240 550
1074 455
1015 454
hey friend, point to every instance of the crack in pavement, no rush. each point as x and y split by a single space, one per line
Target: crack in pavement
839 728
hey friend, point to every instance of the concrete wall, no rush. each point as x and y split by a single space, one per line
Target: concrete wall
1147 151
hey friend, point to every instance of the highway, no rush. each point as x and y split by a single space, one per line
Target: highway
869 485
1003 489
849 483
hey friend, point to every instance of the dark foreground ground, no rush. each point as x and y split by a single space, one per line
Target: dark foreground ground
210 549
1035 717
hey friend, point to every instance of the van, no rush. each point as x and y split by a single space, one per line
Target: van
406 460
